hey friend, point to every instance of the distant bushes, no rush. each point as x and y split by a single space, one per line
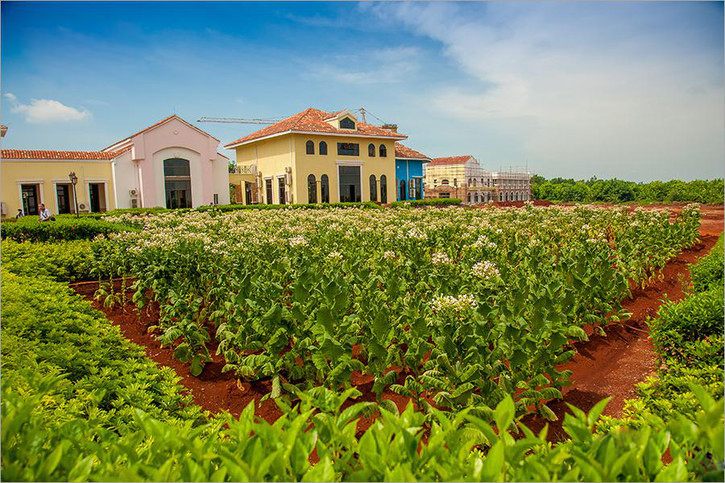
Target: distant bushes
63 228
619 191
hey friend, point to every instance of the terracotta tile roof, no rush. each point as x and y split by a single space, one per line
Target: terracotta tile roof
404 152
163 121
313 120
450 160
333 115
72 155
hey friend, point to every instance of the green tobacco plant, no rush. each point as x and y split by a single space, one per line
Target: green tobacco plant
474 305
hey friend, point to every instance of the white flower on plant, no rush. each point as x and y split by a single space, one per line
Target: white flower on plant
485 270
335 256
449 303
389 255
440 258
483 241
298 240
416 234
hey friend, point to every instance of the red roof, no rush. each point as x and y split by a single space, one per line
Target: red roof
450 160
73 155
404 152
313 120
163 121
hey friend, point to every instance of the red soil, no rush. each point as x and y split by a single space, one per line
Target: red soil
605 366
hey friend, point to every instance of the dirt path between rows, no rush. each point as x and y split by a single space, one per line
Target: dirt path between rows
605 366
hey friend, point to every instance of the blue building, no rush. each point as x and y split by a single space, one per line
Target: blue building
409 173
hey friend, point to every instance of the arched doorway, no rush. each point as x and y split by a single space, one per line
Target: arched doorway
177 183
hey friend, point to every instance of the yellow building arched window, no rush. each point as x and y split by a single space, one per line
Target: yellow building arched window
311 189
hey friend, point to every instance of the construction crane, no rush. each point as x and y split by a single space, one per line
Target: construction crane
236 120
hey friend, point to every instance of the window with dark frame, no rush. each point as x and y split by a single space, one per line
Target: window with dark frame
325 188
323 148
311 189
348 149
383 189
371 150
268 187
373 188
347 123
310 147
280 185
383 151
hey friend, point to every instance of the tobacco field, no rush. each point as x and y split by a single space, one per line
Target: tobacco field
465 312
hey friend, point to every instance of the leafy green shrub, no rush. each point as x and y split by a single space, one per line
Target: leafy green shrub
63 261
428 202
392 449
64 228
708 272
48 331
697 316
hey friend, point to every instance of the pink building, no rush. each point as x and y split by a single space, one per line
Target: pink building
171 164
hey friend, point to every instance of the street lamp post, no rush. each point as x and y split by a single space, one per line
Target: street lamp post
74 181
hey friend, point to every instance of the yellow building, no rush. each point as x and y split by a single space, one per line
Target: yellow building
31 177
316 157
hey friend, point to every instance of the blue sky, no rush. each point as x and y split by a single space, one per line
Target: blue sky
628 90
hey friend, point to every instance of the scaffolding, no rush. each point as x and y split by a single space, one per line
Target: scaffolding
473 184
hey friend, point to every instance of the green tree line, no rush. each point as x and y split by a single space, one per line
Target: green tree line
619 191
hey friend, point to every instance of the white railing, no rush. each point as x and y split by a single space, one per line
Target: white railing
248 169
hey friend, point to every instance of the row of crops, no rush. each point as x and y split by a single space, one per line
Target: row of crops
451 307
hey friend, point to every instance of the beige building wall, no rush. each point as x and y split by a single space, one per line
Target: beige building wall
47 174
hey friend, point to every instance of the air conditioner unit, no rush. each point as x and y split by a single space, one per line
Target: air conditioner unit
133 193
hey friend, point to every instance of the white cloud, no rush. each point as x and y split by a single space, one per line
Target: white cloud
378 66
48 110
612 88
10 96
